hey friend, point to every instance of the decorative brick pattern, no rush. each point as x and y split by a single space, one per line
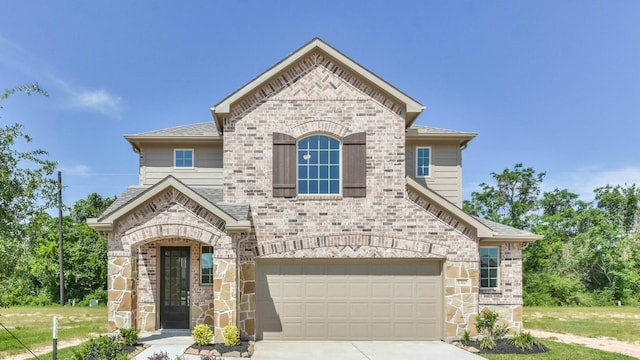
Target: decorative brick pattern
332 89
353 245
441 214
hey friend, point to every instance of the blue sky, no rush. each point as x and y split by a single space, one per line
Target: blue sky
552 84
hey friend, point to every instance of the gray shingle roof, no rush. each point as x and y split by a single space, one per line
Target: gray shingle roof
434 130
199 129
502 229
213 195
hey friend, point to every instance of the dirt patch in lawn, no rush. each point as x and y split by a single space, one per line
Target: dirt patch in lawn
605 344
46 349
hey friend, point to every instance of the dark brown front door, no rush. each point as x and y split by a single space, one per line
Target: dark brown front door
174 291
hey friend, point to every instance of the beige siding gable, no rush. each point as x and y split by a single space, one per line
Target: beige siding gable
445 168
157 161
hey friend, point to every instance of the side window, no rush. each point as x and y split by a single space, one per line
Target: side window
206 265
318 165
489 267
423 161
183 158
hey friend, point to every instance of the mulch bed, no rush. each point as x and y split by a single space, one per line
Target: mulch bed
502 347
245 349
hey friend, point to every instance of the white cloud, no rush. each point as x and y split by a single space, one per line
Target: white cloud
583 181
14 57
99 100
96 100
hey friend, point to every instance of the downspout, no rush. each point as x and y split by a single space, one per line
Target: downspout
243 237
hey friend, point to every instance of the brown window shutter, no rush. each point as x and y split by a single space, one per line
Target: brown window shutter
354 165
284 165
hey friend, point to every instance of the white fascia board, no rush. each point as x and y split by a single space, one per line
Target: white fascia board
482 230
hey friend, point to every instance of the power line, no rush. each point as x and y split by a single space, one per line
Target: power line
18 340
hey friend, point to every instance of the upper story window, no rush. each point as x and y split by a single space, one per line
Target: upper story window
183 158
489 267
319 164
423 161
318 161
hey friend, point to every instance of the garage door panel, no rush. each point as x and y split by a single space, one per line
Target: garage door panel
349 300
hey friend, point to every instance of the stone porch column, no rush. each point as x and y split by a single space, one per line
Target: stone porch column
120 286
224 294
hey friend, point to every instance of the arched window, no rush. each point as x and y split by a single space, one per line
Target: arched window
318 158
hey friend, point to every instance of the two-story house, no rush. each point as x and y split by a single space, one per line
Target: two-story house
311 207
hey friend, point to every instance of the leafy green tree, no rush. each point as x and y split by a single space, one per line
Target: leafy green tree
511 200
620 204
85 252
93 206
27 187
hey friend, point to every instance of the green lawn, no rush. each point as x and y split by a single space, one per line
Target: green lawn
559 351
620 322
33 325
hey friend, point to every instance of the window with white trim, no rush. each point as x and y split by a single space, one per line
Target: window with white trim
489 267
206 265
318 165
183 158
423 161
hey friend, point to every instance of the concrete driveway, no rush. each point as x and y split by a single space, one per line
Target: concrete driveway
358 350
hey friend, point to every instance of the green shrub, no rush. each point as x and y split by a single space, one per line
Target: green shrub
466 336
202 334
231 335
487 343
129 336
524 341
542 289
101 348
101 295
486 322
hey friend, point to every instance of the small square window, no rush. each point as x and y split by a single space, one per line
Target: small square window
183 158
206 265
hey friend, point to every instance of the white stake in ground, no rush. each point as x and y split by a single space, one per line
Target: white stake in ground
55 338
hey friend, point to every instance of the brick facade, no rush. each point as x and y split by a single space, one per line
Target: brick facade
315 95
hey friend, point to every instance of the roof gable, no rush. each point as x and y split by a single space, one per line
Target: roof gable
314 54
486 229
138 197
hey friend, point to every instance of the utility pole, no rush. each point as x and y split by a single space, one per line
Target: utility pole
61 254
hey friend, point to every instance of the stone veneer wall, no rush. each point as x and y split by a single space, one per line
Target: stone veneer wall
120 287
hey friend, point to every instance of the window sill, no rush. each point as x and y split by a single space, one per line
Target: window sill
490 291
318 197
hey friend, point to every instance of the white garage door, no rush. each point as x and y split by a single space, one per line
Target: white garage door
349 299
